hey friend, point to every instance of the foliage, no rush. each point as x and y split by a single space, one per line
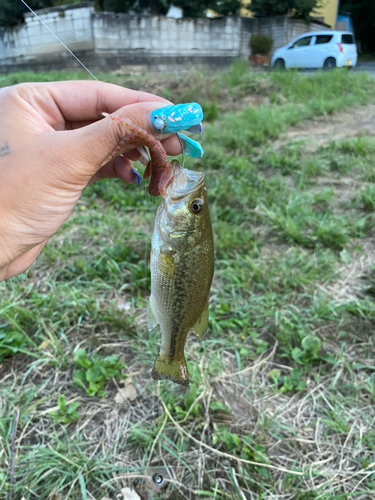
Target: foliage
363 15
12 11
191 8
153 7
67 412
294 8
260 44
12 340
95 371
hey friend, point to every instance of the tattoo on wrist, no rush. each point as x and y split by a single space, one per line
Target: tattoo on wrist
5 150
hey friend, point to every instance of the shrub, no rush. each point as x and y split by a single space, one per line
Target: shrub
261 44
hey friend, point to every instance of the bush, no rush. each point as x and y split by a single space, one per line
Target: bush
261 44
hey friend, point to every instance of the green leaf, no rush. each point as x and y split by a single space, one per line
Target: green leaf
236 439
62 403
81 359
297 354
218 405
93 374
345 256
79 377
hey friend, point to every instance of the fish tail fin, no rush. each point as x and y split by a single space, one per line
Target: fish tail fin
171 369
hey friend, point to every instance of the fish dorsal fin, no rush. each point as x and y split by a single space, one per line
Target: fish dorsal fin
152 321
201 325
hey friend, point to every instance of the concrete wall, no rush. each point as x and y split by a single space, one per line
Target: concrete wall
106 41
282 29
166 36
28 42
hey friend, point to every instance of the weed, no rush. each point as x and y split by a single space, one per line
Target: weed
94 371
368 197
67 412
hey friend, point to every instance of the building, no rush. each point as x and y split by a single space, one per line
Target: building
328 13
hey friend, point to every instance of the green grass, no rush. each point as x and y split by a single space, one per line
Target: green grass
285 375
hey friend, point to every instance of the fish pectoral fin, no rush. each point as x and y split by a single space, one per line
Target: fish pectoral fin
152 321
201 325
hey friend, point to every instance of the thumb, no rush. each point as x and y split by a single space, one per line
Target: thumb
95 144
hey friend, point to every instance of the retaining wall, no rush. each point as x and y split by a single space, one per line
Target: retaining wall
106 41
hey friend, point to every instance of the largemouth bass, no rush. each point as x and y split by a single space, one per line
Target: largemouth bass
182 267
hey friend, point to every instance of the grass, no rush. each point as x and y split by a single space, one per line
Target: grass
281 401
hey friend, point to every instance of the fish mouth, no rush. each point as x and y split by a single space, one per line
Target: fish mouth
185 182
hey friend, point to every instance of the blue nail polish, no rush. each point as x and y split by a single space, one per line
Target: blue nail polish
173 118
191 148
137 178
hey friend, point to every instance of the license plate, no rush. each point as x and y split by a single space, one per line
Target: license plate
347 61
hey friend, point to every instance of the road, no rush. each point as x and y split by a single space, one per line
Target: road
366 66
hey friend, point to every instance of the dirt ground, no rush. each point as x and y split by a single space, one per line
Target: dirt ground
317 132
350 123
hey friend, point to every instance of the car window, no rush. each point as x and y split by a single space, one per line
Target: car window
347 39
320 39
302 42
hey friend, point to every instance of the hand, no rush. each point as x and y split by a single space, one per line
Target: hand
53 142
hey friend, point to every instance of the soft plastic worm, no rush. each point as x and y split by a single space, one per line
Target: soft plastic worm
159 165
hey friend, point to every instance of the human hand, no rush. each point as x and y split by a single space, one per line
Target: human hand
53 143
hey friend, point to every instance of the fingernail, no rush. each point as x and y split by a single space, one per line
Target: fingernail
173 118
137 178
191 148
144 153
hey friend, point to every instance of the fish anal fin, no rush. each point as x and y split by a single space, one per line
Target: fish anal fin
171 369
201 325
152 321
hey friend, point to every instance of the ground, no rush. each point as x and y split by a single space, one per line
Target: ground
281 400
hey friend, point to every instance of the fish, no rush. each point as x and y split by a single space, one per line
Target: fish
182 269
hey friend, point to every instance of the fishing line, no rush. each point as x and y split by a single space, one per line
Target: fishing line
183 151
57 38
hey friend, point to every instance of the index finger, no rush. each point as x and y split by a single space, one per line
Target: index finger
86 100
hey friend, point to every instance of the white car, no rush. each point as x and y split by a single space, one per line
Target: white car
318 49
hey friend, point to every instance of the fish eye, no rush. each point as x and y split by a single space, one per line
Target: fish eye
196 206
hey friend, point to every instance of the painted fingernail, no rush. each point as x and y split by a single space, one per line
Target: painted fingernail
191 148
137 179
173 118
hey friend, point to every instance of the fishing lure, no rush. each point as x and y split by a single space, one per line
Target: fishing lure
158 167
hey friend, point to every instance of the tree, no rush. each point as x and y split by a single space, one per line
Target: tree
12 11
300 9
225 7
153 7
363 15
190 8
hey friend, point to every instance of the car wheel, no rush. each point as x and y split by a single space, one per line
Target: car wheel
279 64
329 63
